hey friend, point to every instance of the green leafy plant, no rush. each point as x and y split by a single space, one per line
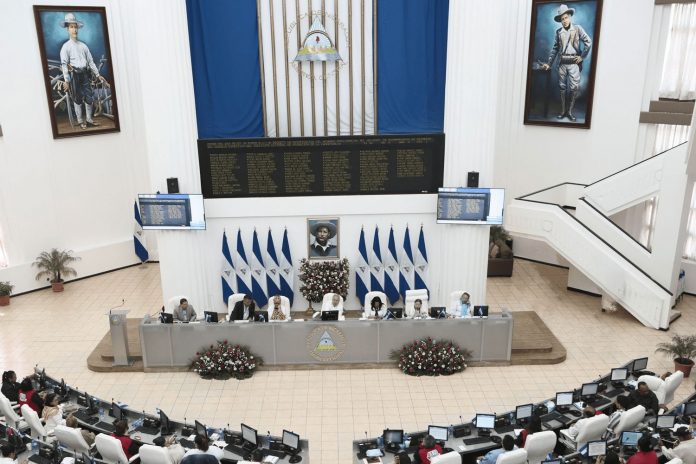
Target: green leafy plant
54 265
430 357
681 347
497 246
6 288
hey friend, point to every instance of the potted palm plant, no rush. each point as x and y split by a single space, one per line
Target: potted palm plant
500 257
53 265
683 349
5 292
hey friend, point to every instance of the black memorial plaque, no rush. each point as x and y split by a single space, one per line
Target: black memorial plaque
346 165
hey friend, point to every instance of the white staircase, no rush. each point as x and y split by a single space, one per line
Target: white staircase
573 220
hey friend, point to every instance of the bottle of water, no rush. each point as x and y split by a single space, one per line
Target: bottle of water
268 438
450 431
34 446
380 442
101 413
407 440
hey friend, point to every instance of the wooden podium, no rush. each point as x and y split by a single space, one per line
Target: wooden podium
119 336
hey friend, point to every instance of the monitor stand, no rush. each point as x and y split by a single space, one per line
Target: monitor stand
562 409
484 433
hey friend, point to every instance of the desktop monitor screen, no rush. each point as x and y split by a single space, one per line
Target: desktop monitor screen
630 438
173 211
485 421
460 205
393 436
116 411
589 389
480 311
564 399
524 411
665 421
164 421
619 374
596 448
210 316
640 364
690 409
291 440
438 433
166 318
200 429
249 434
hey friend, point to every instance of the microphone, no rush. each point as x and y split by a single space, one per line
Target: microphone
460 419
123 301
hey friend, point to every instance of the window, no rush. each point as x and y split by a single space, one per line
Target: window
679 68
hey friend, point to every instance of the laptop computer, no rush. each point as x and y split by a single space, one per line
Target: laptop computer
329 315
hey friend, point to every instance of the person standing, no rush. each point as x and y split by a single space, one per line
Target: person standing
571 46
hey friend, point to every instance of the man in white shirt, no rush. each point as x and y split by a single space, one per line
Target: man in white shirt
685 450
575 429
203 447
462 308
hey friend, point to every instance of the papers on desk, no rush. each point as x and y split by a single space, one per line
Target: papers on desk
578 404
271 459
220 443
372 460
517 431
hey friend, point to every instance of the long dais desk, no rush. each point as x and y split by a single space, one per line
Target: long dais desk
318 342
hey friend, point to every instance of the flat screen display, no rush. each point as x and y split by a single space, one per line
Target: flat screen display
596 448
690 409
291 440
630 438
460 205
116 411
485 421
249 434
393 436
564 399
200 429
665 421
438 433
619 374
524 411
640 364
589 389
172 211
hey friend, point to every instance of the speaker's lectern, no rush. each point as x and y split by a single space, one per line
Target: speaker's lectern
119 336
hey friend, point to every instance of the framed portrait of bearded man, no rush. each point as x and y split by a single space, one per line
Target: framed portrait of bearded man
562 60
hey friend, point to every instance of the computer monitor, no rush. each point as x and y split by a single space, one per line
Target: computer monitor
564 398
394 313
166 318
665 421
393 436
485 421
331 315
589 389
630 438
164 422
438 312
524 411
116 411
438 433
596 448
619 374
210 316
201 429
261 316
552 461
249 434
639 364
690 409
291 441
480 311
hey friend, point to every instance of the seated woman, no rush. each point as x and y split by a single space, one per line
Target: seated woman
88 436
277 313
377 309
130 447
532 427
10 386
462 308
428 449
29 396
52 414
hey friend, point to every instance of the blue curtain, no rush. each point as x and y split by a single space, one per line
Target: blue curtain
411 63
223 36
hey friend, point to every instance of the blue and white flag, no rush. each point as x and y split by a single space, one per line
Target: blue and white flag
391 270
406 266
228 274
272 267
241 266
139 236
258 273
362 270
287 272
421 264
376 269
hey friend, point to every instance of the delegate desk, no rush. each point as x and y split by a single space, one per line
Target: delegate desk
318 342
144 437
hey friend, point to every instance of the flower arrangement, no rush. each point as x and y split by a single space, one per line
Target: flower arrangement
431 357
224 361
321 277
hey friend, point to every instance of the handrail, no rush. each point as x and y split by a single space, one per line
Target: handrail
602 240
584 200
548 188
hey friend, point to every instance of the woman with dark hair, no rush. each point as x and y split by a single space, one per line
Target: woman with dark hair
10 386
29 396
533 426
129 446
428 449
376 307
52 414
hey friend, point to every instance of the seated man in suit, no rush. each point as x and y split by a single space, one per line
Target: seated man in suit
184 312
243 310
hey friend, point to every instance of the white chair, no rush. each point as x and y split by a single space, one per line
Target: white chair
367 312
38 431
593 429
231 301
539 445
150 454
111 450
326 305
284 306
663 389
11 417
630 420
413 295
675 461
173 303
518 456
453 307
71 439
453 457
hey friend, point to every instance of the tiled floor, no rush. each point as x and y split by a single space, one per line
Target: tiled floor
331 407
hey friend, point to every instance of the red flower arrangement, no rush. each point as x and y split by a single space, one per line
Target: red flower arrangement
322 277
224 361
430 357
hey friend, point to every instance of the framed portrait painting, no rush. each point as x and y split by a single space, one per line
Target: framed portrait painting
563 46
322 238
77 68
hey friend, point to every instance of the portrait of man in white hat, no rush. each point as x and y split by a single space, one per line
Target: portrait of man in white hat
323 238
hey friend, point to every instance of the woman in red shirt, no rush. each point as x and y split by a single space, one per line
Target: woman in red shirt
428 449
129 446
29 396
533 426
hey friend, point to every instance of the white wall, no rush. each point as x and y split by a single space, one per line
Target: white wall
74 193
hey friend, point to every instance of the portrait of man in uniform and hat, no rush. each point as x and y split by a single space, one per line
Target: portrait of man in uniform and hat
77 69
561 76
322 238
